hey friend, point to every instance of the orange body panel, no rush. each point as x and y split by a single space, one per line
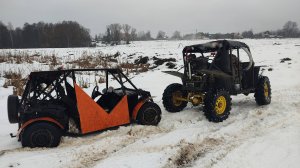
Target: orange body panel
49 119
136 109
94 118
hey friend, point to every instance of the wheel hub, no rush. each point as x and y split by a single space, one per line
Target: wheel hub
176 98
41 138
150 115
266 89
220 105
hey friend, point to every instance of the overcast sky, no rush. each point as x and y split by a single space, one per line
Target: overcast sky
167 15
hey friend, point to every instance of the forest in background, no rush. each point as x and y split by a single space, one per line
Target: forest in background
71 34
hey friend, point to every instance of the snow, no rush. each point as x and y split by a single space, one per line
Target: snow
252 136
276 149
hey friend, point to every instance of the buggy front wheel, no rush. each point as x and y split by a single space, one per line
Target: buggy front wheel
149 114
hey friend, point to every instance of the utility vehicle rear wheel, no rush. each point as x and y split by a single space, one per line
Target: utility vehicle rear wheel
41 134
172 98
149 114
263 91
217 105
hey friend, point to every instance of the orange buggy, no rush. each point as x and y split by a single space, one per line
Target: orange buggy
53 103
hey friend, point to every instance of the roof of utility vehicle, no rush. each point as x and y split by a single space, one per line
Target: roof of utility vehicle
214 46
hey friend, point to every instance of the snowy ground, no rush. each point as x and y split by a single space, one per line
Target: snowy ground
252 136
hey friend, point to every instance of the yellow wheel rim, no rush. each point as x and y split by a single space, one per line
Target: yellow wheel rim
176 98
266 89
220 105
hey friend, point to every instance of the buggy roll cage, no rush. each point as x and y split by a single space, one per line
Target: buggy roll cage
53 80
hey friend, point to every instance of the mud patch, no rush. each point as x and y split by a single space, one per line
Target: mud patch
189 152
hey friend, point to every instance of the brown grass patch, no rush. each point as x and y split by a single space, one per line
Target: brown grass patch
14 79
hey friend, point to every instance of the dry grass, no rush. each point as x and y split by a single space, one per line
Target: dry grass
99 60
86 60
134 68
14 79
51 62
84 83
22 57
101 80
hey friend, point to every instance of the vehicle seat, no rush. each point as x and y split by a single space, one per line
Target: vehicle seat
221 61
71 102
109 100
70 91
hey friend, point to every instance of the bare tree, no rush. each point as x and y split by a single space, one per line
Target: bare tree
176 35
107 37
161 35
248 34
133 34
115 30
126 29
290 29
141 35
148 35
10 29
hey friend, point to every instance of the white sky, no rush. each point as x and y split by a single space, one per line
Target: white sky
167 15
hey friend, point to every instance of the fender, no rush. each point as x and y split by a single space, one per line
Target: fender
48 119
174 73
137 108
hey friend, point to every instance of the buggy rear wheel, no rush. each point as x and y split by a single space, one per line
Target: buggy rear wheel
149 114
217 105
172 98
263 91
41 134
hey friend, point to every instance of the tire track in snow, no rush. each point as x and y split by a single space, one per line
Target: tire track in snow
21 149
261 121
95 147
88 155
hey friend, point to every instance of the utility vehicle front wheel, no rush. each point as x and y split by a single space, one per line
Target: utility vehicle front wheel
263 91
172 98
149 114
41 134
217 105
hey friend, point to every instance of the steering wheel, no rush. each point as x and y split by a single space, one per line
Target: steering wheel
96 92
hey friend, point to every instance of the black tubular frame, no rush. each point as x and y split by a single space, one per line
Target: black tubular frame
60 76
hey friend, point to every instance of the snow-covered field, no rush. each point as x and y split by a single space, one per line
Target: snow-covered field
252 136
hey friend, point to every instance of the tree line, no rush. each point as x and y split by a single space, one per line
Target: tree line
115 33
45 35
72 34
289 30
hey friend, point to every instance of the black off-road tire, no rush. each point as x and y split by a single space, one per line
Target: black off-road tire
211 112
13 108
149 114
41 134
168 98
263 85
